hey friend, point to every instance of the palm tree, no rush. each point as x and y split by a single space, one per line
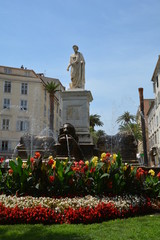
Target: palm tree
129 125
126 118
51 88
101 133
95 121
132 128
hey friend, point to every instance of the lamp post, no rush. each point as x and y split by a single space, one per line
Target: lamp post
143 126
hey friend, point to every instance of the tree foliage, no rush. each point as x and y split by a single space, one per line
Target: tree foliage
51 88
129 125
95 120
126 118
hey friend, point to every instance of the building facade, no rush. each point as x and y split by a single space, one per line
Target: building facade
147 105
24 107
154 119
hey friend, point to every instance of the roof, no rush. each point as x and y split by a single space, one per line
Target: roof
156 70
18 71
48 79
151 107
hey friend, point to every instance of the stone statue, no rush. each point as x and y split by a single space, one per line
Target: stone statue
77 64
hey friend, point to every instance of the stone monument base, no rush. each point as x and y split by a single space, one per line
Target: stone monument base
75 105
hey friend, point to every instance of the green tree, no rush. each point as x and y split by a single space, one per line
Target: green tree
95 121
126 118
130 125
51 88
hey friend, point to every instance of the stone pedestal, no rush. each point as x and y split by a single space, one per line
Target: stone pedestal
75 110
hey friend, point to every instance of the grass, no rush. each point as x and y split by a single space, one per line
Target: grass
144 228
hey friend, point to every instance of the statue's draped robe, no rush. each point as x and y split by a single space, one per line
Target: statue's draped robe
77 63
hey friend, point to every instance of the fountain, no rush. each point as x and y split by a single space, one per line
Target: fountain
42 144
68 144
123 143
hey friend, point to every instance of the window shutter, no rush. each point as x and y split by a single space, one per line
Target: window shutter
26 125
9 145
158 97
18 125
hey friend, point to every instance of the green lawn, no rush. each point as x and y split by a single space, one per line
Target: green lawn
138 228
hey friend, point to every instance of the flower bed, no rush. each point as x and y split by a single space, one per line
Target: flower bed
86 209
89 185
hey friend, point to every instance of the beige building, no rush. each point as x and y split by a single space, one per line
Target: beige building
154 118
24 107
147 105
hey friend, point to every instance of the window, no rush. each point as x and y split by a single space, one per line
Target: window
155 138
22 125
7 87
158 97
57 108
23 105
6 103
60 112
45 95
5 124
4 146
157 81
7 70
45 111
24 88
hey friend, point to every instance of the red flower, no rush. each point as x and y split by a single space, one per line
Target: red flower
108 154
81 162
51 178
31 159
1 160
50 162
85 167
10 171
158 175
92 170
140 172
37 155
75 163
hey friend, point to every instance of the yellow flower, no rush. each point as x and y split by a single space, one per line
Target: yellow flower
17 159
95 159
125 168
64 163
103 156
152 172
108 168
24 165
95 163
87 162
54 164
30 174
114 156
50 157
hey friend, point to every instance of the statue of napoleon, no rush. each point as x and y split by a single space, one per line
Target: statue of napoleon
77 64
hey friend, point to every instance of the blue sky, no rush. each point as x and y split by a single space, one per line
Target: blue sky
120 41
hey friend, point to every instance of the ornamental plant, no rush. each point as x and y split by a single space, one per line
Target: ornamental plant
55 177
